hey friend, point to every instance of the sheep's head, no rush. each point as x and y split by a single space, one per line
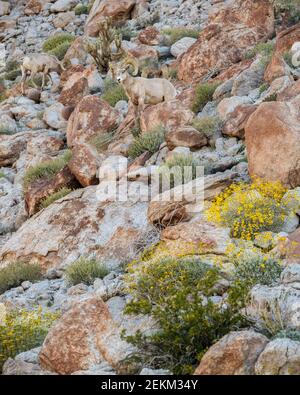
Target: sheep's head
120 71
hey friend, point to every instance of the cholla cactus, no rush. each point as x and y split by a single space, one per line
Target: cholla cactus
107 47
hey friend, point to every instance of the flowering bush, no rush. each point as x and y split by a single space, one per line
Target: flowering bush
176 293
248 209
23 330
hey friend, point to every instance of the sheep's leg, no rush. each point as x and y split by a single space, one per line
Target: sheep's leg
141 104
23 79
43 80
33 74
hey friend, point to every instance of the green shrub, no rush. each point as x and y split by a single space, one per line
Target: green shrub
207 125
270 98
175 292
15 273
178 170
55 41
264 49
58 45
80 9
55 196
251 267
127 33
290 6
60 51
203 94
176 33
85 271
102 141
293 334
113 92
264 87
46 169
5 130
2 175
150 142
288 58
12 75
23 330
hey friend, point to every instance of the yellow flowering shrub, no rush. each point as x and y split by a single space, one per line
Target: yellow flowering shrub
22 330
248 209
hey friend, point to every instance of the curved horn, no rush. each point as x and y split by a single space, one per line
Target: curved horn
132 62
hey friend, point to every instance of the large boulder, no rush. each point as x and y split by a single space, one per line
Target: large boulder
170 114
280 357
273 142
84 164
90 333
118 10
92 117
235 354
244 21
79 224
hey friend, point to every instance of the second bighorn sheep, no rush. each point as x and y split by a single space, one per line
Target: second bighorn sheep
39 63
142 91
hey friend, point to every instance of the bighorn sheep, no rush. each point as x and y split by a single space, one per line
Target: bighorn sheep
39 63
139 90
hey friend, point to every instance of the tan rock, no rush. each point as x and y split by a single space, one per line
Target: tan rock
170 114
76 51
91 117
63 19
281 357
118 10
4 8
149 36
90 333
235 354
43 187
244 21
195 237
236 121
84 164
273 141
276 68
185 136
74 92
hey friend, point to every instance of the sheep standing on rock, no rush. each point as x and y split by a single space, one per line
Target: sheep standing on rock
39 63
142 91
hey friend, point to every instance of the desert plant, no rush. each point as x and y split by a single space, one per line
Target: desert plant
207 125
291 7
5 130
248 209
58 44
252 267
293 334
150 141
46 169
264 49
178 170
22 330
176 33
16 272
85 271
55 196
101 48
176 293
113 92
102 141
12 70
203 94
80 9
126 32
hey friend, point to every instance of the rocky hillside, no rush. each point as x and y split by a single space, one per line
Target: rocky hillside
105 270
